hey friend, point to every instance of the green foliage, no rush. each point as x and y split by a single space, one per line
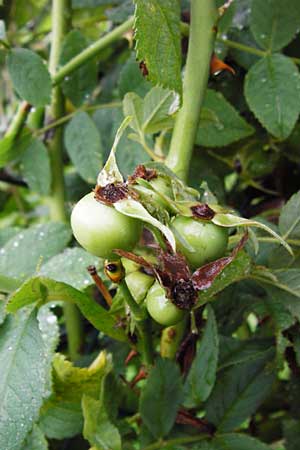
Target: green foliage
238 392
83 143
202 375
163 44
272 90
35 167
220 124
70 267
231 380
79 86
35 440
22 254
161 397
44 290
22 391
11 147
274 23
30 76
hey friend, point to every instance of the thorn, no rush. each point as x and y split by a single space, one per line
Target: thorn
130 356
142 375
217 65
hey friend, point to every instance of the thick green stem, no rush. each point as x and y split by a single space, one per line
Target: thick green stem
61 21
201 43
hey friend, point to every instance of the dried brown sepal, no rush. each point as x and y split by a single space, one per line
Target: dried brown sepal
175 265
142 172
202 211
111 193
203 277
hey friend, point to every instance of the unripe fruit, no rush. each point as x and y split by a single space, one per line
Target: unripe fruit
160 308
100 228
207 241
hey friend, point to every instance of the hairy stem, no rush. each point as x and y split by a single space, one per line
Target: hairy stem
201 42
61 22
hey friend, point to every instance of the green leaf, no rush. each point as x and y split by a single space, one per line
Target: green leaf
220 123
132 208
35 167
70 267
229 220
202 375
98 429
79 85
238 441
61 416
35 440
8 284
289 220
237 270
272 90
283 289
131 79
11 147
84 147
61 419
158 106
160 50
239 391
234 351
21 255
161 397
7 233
30 76
44 290
274 23
154 112
24 377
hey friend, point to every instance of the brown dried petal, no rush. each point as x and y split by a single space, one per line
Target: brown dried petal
111 193
142 172
204 276
202 211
